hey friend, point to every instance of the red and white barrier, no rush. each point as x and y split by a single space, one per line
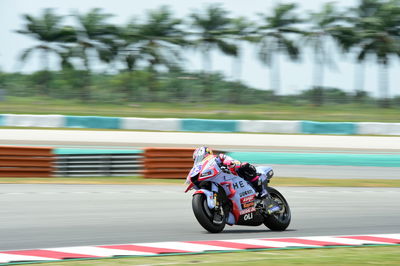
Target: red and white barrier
183 247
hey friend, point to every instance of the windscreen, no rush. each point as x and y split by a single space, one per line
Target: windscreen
198 160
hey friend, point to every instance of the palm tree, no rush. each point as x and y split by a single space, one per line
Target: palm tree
128 49
161 38
52 36
213 30
351 39
325 28
155 42
94 37
243 31
274 39
94 34
379 35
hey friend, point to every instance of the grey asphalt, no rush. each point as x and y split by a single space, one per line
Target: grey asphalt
44 216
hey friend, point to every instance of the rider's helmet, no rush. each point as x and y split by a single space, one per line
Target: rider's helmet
201 153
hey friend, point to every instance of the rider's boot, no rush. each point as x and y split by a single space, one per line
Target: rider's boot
271 205
259 187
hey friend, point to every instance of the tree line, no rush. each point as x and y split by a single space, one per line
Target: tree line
144 51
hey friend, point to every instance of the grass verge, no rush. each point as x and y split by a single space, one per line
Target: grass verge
383 255
136 180
342 112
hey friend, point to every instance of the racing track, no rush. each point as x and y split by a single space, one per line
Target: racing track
45 216
227 141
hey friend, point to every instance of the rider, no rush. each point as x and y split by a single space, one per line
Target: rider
244 170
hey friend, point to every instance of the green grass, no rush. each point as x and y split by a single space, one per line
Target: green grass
135 180
342 112
385 255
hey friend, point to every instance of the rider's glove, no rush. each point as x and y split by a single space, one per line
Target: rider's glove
225 169
232 165
248 171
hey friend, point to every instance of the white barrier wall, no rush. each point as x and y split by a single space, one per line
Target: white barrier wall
269 126
201 125
12 120
375 128
160 124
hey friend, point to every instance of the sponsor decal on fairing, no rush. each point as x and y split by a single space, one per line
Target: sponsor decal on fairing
252 209
247 199
245 193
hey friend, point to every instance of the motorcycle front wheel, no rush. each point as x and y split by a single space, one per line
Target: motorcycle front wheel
280 220
204 215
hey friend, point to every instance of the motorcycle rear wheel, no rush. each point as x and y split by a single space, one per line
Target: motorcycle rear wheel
204 215
278 221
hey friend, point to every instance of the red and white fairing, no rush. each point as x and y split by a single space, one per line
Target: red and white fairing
241 194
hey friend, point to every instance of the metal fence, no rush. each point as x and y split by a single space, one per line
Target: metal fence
98 164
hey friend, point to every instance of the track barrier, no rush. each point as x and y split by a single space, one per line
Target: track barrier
201 125
16 161
154 162
97 162
13 120
167 162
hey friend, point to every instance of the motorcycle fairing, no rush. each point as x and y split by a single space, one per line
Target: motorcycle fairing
232 216
209 168
239 192
209 196
231 219
265 171
209 173
194 171
198 168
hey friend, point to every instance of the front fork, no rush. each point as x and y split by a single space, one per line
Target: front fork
218 209
211 196
214 203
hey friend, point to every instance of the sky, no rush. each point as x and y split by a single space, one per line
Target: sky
295 77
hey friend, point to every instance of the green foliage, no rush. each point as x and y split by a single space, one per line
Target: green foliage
319 95
213 30
273 33
145 55
169 87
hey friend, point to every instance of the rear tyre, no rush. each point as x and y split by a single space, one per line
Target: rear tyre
204 215
278 221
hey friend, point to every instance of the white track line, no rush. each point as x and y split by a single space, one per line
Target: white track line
6 258
340 240
191 247
99 251
266 243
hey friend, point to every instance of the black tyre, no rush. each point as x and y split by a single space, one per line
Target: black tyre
278 221
204 215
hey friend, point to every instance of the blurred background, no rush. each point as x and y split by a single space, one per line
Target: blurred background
111 64
321 60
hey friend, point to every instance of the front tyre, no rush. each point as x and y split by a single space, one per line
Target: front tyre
280 220
204 215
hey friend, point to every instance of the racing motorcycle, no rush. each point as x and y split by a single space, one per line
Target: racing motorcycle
222 198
